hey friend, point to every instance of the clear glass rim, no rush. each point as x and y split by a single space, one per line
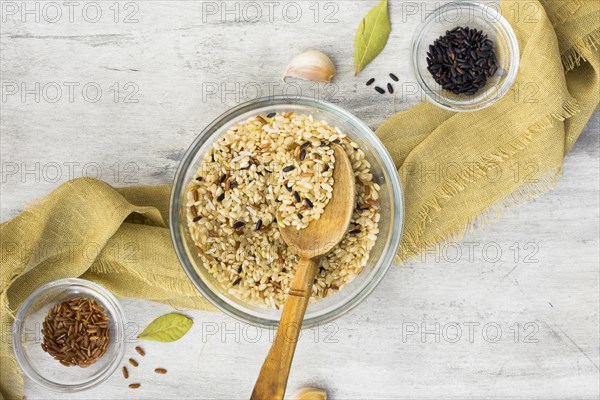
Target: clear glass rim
107 298
436 97
380 268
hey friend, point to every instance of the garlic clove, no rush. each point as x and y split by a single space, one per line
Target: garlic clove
311 394
312 65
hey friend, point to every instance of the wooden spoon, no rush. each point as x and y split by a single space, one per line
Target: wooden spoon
317 239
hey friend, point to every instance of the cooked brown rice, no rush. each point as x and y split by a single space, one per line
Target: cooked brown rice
269 171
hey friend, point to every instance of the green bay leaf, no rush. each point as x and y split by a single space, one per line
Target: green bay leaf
167 328
371 36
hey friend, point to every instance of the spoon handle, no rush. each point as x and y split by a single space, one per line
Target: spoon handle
273 376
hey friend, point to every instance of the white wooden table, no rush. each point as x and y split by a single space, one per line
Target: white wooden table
119 90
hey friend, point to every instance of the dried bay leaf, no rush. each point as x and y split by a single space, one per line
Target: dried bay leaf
371 36
167 328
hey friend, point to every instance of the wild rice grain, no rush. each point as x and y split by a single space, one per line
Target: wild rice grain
75 332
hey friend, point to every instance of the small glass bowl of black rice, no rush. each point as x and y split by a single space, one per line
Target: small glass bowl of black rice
465 56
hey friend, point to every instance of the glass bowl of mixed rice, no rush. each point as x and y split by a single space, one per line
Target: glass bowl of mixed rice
265 164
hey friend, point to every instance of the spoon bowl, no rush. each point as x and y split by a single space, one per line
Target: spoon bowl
321 235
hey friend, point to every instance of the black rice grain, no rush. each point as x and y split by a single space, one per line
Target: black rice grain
379 90
462 60
390 88
370 81
258 225
289 168
238 225
394 77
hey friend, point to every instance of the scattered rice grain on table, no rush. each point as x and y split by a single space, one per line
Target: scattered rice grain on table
269 171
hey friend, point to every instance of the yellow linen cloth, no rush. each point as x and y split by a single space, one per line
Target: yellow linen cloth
460 169
87 229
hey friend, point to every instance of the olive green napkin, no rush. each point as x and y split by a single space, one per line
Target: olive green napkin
457 170
85 228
